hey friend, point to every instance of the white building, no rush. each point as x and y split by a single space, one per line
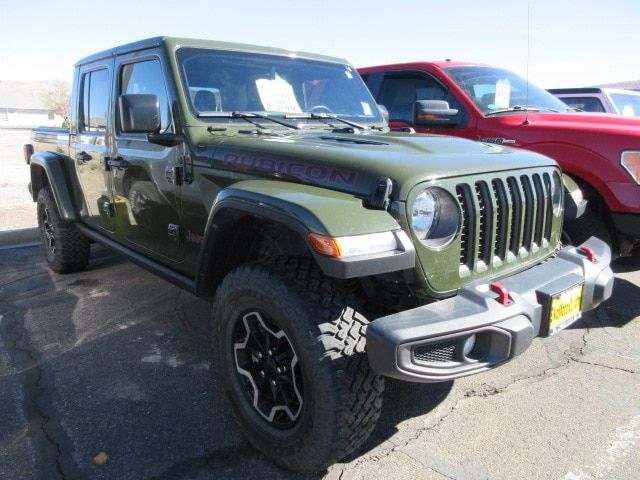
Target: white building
22 104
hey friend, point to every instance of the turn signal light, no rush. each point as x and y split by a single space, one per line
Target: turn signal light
325 245
631 163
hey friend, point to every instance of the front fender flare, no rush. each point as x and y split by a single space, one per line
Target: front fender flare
304 209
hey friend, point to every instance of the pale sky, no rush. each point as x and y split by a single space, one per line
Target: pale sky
572 43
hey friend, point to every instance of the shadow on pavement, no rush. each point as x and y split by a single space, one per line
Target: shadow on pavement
113 361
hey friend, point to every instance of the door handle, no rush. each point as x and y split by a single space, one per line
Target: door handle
82 157
119 163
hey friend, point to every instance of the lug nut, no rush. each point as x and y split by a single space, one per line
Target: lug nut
273 382
271 352
262 373
259 355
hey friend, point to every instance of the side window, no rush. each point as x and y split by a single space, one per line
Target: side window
588 104
146 78
400 92
95 101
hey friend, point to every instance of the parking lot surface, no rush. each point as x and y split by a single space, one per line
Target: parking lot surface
109 374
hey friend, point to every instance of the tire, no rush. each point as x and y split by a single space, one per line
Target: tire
590 224
334 399
65 248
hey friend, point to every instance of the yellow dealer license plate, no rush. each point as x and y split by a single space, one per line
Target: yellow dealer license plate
565 308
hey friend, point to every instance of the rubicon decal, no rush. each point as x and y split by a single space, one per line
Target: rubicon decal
310 172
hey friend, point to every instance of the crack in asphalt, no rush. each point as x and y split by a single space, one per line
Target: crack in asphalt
610 367
484 390
37 387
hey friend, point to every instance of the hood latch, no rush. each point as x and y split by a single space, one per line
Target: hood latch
381 196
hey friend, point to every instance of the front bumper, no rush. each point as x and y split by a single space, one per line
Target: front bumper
430 343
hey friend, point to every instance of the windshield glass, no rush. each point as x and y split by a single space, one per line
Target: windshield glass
223 81
493 89
627 104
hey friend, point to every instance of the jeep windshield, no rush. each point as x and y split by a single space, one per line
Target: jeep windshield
497 91
225 86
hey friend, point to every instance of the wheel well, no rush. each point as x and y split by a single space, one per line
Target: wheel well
39 180
239 238
595 200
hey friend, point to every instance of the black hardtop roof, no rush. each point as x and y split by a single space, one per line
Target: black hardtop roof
174 42
576 90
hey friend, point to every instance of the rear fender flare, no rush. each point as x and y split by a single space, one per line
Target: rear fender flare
49 167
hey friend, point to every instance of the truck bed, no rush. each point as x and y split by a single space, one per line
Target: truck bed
50 138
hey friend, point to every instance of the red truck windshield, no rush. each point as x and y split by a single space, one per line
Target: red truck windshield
496 90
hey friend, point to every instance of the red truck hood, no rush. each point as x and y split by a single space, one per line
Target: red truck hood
577 122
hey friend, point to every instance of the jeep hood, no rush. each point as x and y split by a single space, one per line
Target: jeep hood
354 162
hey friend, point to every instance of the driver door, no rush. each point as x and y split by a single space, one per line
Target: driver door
146 200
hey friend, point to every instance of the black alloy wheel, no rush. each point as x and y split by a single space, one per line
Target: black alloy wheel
268 366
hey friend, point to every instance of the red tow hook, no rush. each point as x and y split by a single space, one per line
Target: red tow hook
501 290
587 252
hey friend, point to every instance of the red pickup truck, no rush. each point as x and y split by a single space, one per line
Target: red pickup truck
600 152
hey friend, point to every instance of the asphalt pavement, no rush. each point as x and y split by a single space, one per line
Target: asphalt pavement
108 374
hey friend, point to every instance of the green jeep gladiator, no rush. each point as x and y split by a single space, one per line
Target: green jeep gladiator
270 182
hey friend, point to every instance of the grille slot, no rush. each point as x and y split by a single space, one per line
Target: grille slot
504 218
467 230
541 202
436 352
486 222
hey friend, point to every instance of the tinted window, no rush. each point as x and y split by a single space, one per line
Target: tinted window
146 78
242 81
588 104
95 101
400 92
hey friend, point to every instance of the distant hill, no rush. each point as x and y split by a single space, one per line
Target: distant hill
27 95
629 85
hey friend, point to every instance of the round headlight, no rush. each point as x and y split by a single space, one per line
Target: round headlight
435 217
425 210
556 194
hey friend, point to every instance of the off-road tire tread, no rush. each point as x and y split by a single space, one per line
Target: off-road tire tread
72 247
343 340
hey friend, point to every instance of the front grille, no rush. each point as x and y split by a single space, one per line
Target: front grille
504 218
436 352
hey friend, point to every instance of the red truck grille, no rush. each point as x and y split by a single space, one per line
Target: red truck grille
506 217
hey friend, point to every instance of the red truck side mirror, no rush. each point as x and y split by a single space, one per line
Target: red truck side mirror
435 113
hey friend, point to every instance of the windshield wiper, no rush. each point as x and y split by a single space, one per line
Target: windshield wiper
521 108
248 116
328 116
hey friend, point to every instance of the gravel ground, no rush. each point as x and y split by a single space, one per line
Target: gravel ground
17 210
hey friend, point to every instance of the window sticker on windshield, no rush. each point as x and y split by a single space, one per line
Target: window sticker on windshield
503 93
348 74
366 109
277 95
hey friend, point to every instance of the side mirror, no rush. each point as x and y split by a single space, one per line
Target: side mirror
384 112
139 113
435 113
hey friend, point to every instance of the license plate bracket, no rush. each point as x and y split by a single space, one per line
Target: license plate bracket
563 308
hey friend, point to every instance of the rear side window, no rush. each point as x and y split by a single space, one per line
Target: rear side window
588 104
146 78
95 101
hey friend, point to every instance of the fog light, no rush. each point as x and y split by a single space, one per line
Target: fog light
468 345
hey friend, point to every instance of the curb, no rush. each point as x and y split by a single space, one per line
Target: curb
19 238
